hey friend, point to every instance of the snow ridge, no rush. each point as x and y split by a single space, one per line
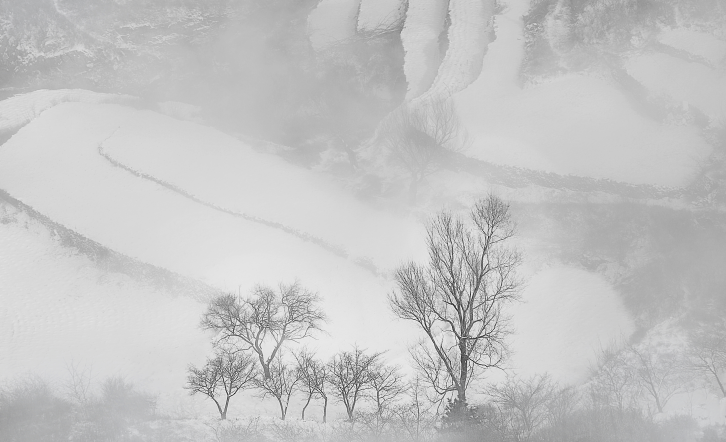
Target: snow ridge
468 40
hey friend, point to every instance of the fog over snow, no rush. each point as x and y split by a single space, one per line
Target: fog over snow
172 186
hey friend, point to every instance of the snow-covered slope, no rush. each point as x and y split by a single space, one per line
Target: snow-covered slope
685 82
53 165
420 37
468 38
20 109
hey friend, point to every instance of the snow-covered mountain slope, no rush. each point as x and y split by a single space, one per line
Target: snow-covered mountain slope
53 165
420 36
468 37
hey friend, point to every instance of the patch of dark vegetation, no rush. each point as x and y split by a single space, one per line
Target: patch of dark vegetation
112 261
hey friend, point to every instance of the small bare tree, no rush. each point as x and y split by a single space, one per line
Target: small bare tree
707 347
660 373
421 137
265 321
458 298
222 377
349 374
524 404
415 416
280 383
614 379
313 375
385 387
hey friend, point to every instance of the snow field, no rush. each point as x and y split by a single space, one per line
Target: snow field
228 174
420 38
58 309
697 43
20 109
53 165
687 82
581 125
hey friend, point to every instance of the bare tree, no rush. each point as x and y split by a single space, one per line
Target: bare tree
386 385
222 377
313 374
660 373
78 385
349 373
415 416
707 344
614 379
280 383
524 403
421 137
265 321
458 298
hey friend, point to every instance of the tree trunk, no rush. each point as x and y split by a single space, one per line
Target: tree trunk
283 410
325 409
463 372
306 406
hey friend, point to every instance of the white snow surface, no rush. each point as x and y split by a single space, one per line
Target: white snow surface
50 299
58 309
687 82
573 125
229 174
20 109
701 44
420 38
567 315
53 165
379 14
468 37
332 21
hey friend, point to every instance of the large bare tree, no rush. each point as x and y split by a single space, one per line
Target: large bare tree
265 321
707 348
420 137
222 377
457 299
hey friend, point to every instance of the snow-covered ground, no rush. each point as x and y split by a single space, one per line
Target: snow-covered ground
54 165
420 38
701 44
468 37
222 171
573 125
692 84
20 109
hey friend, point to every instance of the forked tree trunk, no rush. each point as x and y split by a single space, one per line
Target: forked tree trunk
306 406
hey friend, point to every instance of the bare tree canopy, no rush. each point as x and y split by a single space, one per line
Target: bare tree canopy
313 374
266 320
457 299
524 403
420 137
708 352
349 374
222 377
280 384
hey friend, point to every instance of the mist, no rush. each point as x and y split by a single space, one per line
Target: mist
166 161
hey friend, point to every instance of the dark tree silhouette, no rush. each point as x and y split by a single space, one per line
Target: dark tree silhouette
265 321
349 375
457 299
280 383
222 377
313 374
